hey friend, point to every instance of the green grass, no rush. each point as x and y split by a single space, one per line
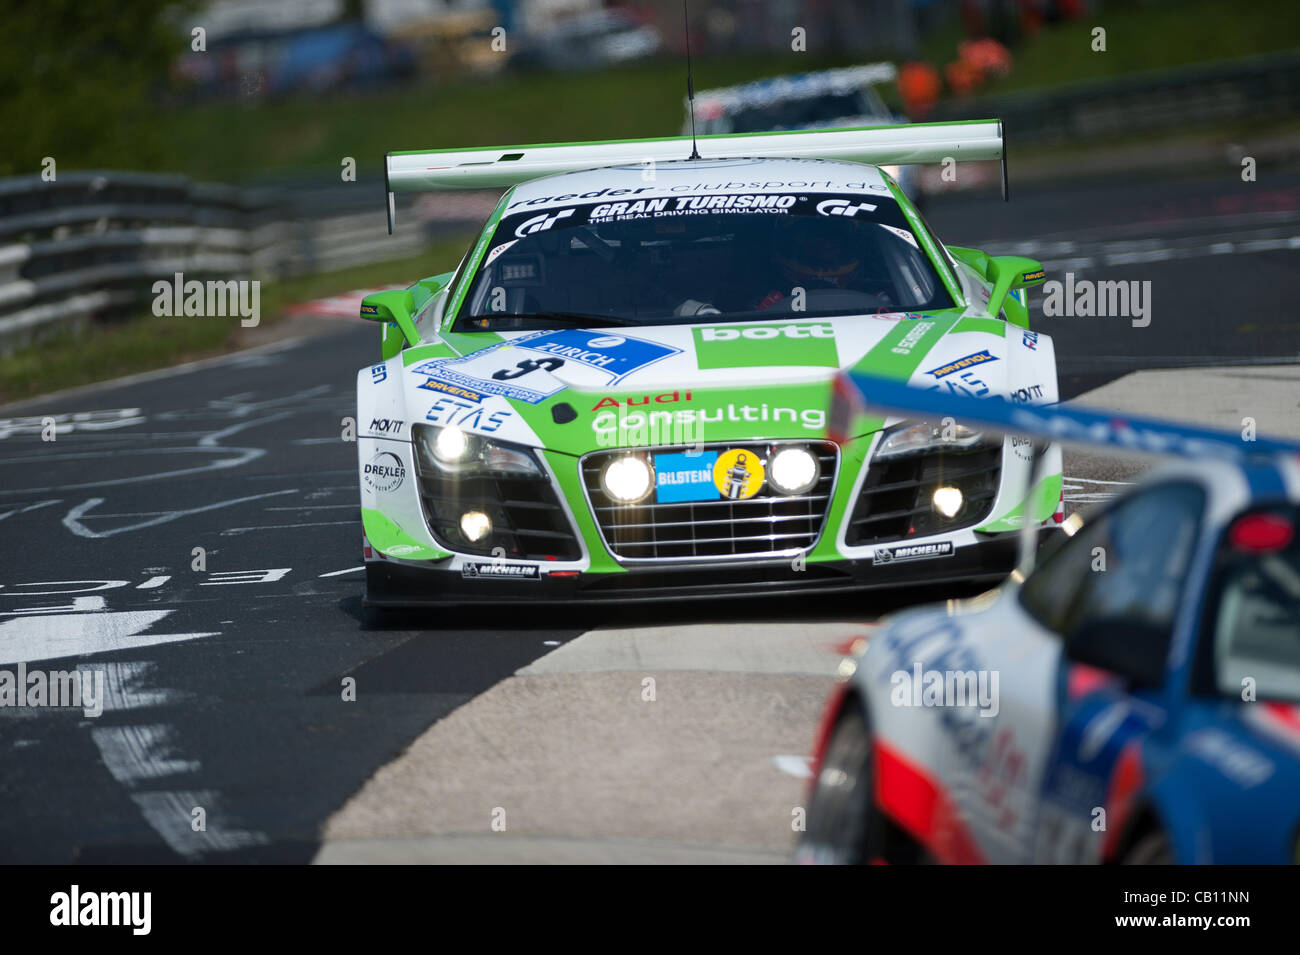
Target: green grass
235 143
1150 36
105 351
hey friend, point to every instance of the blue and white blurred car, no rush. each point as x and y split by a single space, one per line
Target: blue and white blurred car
828 99
1135 697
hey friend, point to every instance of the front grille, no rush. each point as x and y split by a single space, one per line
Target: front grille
528 522
894 502
764 525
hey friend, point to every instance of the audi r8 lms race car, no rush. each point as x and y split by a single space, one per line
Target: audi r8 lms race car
1130 695
623 390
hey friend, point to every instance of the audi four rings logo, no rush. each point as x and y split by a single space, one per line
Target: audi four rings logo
541 223
842 207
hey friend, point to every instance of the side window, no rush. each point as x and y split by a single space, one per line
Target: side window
1251 630
1056 583
1113 591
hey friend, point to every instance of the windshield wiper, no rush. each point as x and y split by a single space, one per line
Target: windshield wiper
572 318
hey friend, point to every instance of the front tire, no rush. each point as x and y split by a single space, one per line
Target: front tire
843 822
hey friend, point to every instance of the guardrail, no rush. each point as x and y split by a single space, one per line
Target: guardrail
89 245
1266 86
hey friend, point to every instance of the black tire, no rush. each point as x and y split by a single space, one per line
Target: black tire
1151 848
843 826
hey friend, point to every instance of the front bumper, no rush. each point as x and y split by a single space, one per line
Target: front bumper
393 584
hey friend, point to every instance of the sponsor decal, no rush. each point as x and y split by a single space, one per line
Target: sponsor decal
384 472
967 383
843 207
690 205
1023 447
541 223
402 550
616 355
902 234
369 310
686 425
1033 276
492 256
907 552
597 194
449 411
1030 340
433 384
961 364
756 346
378 373
914 335
478 570
386 425
738 474
475 373
685 477
752 186
667 398
1024 395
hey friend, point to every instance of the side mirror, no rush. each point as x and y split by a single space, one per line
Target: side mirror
1131 648
1008 272
392 308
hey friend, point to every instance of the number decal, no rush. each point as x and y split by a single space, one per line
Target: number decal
527 366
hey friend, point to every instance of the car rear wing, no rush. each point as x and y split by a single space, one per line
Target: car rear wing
504 166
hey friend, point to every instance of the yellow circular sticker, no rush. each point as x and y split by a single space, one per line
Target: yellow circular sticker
738 474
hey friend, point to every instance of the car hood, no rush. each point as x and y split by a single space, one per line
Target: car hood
563 388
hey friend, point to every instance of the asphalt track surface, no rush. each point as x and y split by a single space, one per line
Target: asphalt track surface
225 684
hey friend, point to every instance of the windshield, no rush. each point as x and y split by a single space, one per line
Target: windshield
730 257
811 111
1256 613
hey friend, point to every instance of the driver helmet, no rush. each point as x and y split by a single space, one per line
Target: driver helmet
810 256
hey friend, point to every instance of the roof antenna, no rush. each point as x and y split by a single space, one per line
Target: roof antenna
690 80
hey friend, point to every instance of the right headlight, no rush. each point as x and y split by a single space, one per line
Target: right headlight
462 454
918 437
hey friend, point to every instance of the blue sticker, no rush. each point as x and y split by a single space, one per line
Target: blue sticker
378 373
961 364
685 477
617 355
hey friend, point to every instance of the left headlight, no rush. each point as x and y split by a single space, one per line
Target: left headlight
918 437
462 454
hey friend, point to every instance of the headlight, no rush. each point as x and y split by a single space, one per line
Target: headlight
627 479
916 437
793 471
450 445
456 452
948 501
475 525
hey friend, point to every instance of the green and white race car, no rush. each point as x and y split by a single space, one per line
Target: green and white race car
624 390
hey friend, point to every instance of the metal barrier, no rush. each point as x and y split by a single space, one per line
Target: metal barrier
91 244
1256 87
